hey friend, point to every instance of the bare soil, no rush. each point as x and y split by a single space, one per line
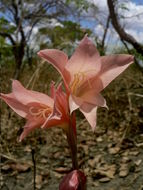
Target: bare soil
112 157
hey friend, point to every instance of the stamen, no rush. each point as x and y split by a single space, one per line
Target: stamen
40 113
78 79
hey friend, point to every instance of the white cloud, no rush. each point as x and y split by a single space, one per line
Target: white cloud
102 4
138 35
99 31
53 22
132 21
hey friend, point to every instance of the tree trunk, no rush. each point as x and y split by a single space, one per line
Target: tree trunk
19 55
120 30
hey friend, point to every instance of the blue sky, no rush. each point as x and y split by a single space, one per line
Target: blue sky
139 2
132 22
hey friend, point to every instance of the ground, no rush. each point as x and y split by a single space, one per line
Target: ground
111 157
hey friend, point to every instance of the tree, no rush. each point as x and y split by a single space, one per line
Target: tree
67 33
124 36
18 20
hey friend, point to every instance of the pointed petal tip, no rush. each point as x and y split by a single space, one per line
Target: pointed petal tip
39 52
93 128
71 111
107 107
86 39
43 127
53 82
1 95
132 58
85 36
14 81
20 138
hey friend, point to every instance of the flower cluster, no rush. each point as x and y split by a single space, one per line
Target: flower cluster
84 75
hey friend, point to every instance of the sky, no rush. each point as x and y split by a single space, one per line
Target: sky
96 21
132 21
138 1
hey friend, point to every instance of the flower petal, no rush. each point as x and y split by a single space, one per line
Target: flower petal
85 58
27 96
52 90
89 98
52 121
94 98
60 113
61 101
38 112
74 103
89 111
112 66
58 59
17 106
29 126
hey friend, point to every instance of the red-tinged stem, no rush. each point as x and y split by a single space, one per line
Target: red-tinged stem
71 137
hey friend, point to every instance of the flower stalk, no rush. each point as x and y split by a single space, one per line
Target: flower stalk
72 141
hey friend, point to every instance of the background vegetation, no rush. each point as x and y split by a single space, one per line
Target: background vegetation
112 158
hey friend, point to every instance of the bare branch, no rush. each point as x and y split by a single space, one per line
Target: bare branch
123 35
105 32
6 35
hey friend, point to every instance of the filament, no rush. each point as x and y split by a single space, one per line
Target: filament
41 112
78 79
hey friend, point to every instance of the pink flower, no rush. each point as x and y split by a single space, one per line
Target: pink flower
86 74
40 110
75 180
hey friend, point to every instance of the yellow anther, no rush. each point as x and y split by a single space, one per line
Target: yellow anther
77 80
80 78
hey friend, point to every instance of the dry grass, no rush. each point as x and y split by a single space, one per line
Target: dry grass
124 119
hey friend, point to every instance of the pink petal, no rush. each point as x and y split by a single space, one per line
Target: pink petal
60 113
38 112
112 66
58 59
89 111
52 90
17 106
52 121
89 98
85 59
94 98
27 96
29 126
74 103
61 101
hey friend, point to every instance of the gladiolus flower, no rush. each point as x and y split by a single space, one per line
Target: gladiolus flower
40 110
86 74
75 180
